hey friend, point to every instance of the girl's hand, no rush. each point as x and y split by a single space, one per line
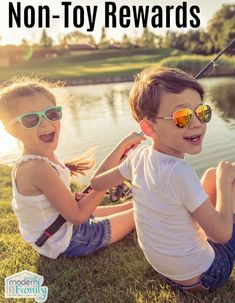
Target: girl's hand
131 141
78 196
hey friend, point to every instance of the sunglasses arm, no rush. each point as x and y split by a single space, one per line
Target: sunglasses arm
12 122
166 118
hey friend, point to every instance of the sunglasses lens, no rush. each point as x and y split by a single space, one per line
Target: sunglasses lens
203 113
30 120
54 114
182 117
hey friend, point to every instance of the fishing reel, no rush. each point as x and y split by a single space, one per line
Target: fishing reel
120 191
115 193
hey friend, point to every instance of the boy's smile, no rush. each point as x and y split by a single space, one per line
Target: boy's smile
170 139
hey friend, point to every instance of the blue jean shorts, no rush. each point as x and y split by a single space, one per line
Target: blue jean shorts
89 237
220 269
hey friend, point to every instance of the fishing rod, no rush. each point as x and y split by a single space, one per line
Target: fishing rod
213 61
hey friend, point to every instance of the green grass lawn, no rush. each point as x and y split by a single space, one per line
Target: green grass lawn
119 274
101 64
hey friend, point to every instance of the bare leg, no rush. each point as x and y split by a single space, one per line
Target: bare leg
121 224
121 219
208 182
233 193
103 211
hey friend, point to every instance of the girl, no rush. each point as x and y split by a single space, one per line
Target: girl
29 112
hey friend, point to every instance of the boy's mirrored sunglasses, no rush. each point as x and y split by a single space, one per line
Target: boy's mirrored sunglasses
182 117
31 120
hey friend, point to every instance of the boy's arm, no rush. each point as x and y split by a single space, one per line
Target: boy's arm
218 222
107 174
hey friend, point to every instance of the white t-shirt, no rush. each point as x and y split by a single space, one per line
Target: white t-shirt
36 213
166 190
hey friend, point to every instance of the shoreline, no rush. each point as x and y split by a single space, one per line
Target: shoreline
98 80
119 79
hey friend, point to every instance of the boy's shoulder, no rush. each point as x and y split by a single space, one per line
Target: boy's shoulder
140 149
183 172
136 153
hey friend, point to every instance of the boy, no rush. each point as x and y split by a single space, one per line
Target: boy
183 236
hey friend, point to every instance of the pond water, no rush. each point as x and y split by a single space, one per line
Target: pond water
97 116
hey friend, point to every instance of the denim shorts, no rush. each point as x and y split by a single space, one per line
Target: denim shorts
220 269
89 237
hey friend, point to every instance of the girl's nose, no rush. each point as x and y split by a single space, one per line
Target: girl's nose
44 121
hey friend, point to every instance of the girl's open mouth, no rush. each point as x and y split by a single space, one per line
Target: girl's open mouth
48 138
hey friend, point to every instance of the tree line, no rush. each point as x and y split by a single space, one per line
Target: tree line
220 30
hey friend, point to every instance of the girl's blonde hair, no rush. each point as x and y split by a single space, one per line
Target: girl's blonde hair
17 88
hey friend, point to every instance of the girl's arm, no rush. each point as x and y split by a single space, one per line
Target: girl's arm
218 222
107 174
107 179
47 180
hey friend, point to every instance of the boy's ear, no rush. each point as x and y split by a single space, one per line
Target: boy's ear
147 127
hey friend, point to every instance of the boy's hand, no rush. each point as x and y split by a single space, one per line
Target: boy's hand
226 171
131 141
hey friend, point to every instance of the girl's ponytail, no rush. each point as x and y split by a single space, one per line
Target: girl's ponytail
81 165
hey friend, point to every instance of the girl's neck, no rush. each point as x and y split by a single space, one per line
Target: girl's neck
52 157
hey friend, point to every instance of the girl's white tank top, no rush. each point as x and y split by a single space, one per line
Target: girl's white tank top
36 213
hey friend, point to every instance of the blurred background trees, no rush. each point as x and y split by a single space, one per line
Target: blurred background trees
220 30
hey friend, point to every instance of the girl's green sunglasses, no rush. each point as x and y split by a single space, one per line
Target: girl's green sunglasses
31 120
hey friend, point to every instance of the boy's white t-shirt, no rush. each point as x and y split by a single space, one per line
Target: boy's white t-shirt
166 191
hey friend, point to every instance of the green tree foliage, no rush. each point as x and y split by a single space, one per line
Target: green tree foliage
45 40
221 28
147 39
104 41
76 38
25 42
126 41
195 42
103 36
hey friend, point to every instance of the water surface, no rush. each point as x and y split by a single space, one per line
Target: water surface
98 116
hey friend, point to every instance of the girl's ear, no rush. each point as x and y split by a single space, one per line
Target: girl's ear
10 130
147 127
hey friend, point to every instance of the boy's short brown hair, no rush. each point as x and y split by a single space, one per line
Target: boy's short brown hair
145 95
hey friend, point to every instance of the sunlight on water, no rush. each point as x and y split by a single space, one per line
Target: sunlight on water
97 117
9 147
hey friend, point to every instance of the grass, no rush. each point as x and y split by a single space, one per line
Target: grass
119 274
192 63
103 64
88 64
